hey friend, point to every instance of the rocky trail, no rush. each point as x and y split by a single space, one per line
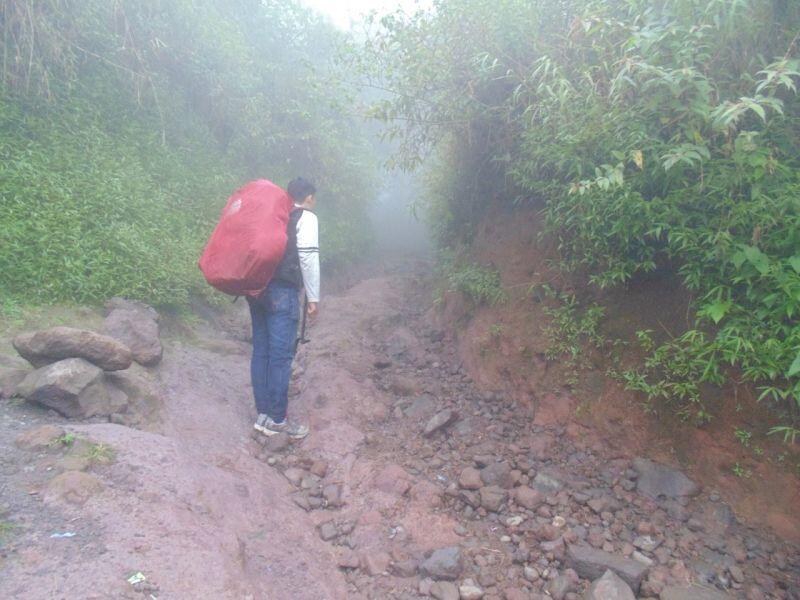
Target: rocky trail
412 484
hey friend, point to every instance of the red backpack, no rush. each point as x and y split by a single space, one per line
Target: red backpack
248 243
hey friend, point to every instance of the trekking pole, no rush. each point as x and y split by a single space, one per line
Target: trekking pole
302 337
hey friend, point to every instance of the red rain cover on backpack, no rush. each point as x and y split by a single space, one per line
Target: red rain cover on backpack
248 243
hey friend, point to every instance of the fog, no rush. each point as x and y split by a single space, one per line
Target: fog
397 229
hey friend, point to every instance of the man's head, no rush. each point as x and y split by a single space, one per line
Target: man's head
302 192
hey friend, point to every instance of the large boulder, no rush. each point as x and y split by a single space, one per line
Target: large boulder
657 480
58 343
135 325
73 387
591 563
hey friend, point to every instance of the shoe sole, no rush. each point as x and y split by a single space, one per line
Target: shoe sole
263 430
270 432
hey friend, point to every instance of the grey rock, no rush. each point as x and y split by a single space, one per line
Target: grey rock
58 386
547 483
59 343
101 399
333 494
328 531
444 590
528 497
138 330
423 407
609 587
470 479
468 590
657 480
277 442
646 543
692 592
492 497
439 421
591 563
444 563
559 587
499 474
10 378
117 303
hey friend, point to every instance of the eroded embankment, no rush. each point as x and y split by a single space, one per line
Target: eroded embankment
504 348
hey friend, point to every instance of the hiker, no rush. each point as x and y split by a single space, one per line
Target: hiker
276 311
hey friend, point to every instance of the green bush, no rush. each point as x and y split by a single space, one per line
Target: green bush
125 125
661 134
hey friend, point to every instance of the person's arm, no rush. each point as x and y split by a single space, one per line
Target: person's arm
308 251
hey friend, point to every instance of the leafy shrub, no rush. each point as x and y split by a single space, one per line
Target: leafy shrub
480 285
653 134
124 126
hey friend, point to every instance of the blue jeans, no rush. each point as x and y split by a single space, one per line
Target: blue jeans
274 314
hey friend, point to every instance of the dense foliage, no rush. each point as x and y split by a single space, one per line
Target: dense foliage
125 124
654 134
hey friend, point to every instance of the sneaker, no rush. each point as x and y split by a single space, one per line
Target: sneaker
290 428
260 424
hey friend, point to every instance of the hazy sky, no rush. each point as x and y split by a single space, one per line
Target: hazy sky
342 12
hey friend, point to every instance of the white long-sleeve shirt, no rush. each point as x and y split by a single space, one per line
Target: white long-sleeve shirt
308 252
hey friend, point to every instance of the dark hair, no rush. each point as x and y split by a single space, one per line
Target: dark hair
299 189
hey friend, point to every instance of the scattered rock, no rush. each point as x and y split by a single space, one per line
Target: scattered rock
646 543
559 587
39 438
528 497
332 494
423 407
74 487
328 531
468 590
348 559
375 563
547 483
138 330
59 343
492 497
277 443
444 590
439 421
470 479
60 385
393 479
657 480
692 592
319 468
591 563
444 563
609 587
499 474
294 475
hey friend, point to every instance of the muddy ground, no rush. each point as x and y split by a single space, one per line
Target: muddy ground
192 505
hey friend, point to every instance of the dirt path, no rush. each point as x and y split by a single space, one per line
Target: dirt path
203 510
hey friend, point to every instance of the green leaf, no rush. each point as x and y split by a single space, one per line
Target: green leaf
794 368
717 310
794 262
757 258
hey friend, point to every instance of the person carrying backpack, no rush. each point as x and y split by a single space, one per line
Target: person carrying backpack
275 313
